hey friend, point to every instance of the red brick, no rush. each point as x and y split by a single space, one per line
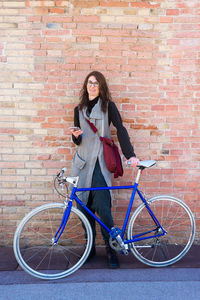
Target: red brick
9 131
85 4
112 3
172 12
144 4
12 203
12 165
180 171
166 20
38 119
61 3
158 107
152 68
64 150
40 11
52 125
35 19
86 32
57 10
86 19
56 32
51 112
56 19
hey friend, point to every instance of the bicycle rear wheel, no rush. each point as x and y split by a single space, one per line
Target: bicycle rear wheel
34 247
176 218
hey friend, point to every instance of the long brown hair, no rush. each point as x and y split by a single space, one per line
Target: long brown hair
104 92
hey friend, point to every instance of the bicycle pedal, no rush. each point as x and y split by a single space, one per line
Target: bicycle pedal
125 252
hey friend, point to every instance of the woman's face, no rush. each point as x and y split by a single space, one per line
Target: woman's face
92 87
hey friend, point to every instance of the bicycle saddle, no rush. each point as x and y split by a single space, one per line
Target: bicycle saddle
146 164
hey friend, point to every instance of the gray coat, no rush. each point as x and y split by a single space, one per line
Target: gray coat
90 149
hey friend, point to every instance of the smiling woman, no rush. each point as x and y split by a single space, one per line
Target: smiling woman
92 88
95 85
96 106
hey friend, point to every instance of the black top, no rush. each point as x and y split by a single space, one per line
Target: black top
114 117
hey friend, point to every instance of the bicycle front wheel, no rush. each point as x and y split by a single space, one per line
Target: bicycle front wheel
176 218
34 246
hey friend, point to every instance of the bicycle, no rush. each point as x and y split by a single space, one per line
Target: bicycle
54 240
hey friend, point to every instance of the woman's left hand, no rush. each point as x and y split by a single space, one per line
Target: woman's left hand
133 161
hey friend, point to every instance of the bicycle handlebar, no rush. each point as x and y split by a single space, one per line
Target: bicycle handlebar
74 180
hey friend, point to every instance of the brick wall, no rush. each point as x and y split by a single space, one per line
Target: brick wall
148 50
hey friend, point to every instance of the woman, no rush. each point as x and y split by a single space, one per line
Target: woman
96 105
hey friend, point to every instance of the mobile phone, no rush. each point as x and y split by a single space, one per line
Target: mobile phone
74 128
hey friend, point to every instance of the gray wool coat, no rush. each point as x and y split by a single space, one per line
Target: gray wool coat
90 149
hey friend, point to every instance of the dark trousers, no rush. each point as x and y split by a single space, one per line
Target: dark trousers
99 202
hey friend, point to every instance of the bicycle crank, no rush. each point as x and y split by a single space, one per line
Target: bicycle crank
116 241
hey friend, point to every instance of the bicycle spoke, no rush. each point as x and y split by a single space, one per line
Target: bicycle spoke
39 264
34 254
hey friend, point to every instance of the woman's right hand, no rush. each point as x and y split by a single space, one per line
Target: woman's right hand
133 161
76 133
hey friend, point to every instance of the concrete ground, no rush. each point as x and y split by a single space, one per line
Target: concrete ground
190 260
104 284
95 281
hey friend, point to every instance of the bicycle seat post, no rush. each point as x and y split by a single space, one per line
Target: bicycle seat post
138 175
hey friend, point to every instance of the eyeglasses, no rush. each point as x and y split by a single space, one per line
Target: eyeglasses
95 84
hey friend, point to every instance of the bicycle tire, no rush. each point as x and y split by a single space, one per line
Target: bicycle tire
33 242
176 218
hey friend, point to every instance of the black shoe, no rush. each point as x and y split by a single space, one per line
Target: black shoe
113 262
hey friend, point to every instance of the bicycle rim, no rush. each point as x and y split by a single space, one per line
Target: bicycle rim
176 218
33 242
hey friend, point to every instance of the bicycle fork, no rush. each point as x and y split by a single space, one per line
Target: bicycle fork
68 206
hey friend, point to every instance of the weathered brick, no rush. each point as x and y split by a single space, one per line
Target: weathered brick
85 4
86 19
42 3
114 3
13 4
62 3
8 12
148 51
172 12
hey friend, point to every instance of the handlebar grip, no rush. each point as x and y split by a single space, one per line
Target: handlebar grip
62 172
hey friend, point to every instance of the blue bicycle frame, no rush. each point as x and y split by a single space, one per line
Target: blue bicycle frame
112 233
